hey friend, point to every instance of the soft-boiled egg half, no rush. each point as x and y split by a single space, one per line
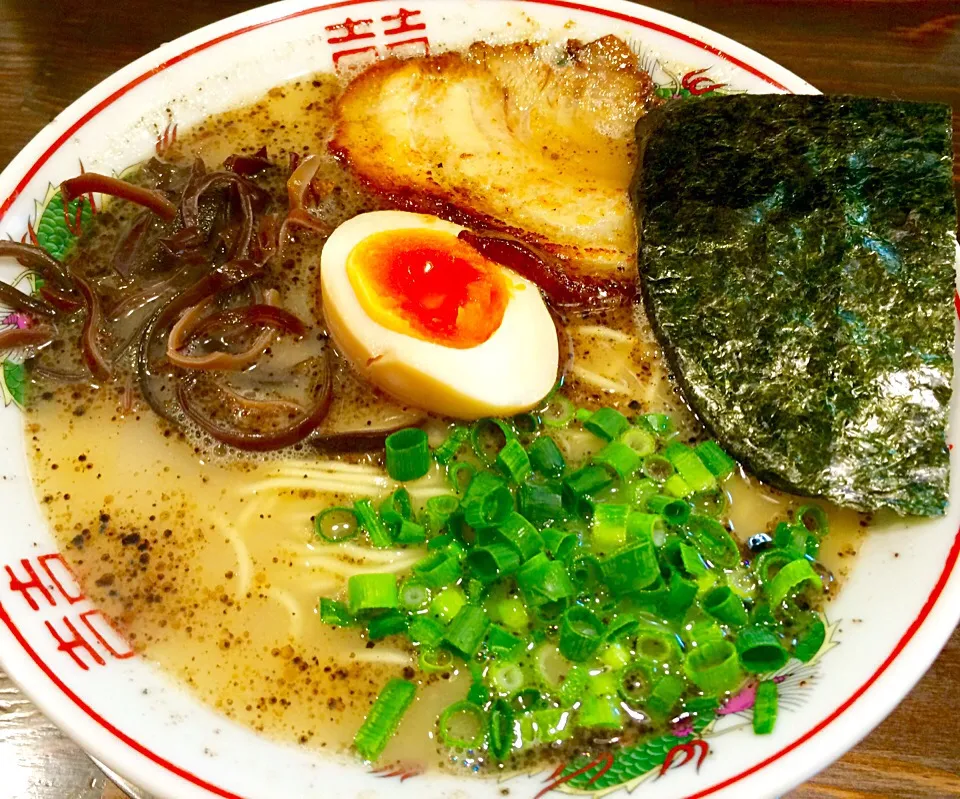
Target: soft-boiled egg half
428 319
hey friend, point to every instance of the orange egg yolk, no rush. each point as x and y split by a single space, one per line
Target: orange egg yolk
430 285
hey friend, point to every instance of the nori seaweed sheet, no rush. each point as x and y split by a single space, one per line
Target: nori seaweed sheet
797 264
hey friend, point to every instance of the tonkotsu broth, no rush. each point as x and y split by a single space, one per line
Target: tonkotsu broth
205 557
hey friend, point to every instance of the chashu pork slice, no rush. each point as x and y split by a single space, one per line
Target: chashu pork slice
525 139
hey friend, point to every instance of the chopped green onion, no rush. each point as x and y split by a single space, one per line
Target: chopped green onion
461 726
478 694
633 568
487 501
581 633
484 435
639 524
619 457
768 564
642 490
541 502
690 467
492 562
442 505
501 729
623 625
411 533
616 656
543 580
467 630
502 642
515 530
573 685
335 613
651 599
372 592
551 667
372 524
675 486
657 644
414 594
512 613
513 460
796 540
506 678
814 519
586 481
438 511
558 412
640 441
810 641
448 603
390 623
664 696
585 569
546 458
607 423
710 503
680 598
675 511
582 414
425 632
725 606
715 459
602 682
713 667
396 509
407 454
435 660
762 616
476 591
558 543
460 474
527 699
553 724
692 560
451 446
714 541
608 531
636 683
760 650
438 569
526 424
790 578
765 708
701 705
600 712
658 423
658 468
336 525
384 718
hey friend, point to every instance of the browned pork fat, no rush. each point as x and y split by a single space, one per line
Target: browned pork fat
530 140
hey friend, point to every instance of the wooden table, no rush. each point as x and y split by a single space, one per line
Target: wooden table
51 52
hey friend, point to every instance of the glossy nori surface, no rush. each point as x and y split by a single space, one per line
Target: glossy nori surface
797 263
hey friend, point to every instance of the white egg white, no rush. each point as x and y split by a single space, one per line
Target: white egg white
508 373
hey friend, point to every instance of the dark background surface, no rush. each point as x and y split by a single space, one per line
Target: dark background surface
52 52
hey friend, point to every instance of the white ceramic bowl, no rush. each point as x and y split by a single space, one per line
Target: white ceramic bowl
891 619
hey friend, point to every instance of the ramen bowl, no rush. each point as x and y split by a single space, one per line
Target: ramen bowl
898 604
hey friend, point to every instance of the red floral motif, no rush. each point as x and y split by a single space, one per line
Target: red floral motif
698 748
697 83
402 770
605 761
166 139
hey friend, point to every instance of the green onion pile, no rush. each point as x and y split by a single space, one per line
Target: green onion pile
583 598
